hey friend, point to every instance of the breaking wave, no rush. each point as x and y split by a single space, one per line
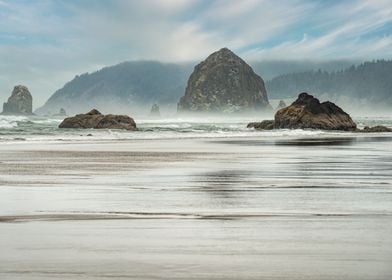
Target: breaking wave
34 128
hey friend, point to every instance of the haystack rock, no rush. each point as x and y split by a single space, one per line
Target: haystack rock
224 83
94 119
61 113
308 112
19 103
155 111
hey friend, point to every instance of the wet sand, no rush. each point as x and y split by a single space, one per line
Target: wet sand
229 208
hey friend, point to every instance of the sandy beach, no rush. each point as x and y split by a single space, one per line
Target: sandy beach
239 208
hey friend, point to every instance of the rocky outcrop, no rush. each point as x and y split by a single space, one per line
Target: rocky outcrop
263 125
94 119
155 111
378 128
224 83
308 112
281 105
19 103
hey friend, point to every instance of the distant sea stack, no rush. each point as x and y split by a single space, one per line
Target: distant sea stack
308 112
155 112
281 105
224 83
19 103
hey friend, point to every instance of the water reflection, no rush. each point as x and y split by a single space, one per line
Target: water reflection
311 141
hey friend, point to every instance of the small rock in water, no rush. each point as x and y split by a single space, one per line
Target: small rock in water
94 119
308 112
224 83
378 128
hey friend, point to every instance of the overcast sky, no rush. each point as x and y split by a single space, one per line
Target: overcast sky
44 44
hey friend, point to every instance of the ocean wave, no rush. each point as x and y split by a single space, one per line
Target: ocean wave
11 121
36 128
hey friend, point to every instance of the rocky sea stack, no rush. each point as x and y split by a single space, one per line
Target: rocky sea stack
19 103
308 113
155 112
281 105
94 119
224 83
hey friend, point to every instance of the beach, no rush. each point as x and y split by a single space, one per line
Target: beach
285 207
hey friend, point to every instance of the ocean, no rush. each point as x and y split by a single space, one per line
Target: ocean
187 198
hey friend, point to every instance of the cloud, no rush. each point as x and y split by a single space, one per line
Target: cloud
46 43
345 40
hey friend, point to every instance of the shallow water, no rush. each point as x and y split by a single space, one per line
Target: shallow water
23 128
246 205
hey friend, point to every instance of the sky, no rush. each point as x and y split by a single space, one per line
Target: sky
45 43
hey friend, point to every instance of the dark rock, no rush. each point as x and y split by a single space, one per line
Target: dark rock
224 83
263 125
19 103
94 112
155 111
281 105
117 122
308 112
378 128
94 119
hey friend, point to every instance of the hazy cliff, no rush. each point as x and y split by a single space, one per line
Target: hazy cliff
135 86
123 88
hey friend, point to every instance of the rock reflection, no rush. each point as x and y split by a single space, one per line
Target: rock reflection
330 141
224 183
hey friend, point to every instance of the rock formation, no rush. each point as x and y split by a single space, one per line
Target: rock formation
308 112
155 111
377 128
94 119
19 103
263 125
62 112
224 83
281 105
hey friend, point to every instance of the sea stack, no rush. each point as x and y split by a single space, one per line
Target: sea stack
19 103
224 83
155 112
281 105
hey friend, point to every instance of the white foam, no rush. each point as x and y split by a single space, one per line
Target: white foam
11 121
